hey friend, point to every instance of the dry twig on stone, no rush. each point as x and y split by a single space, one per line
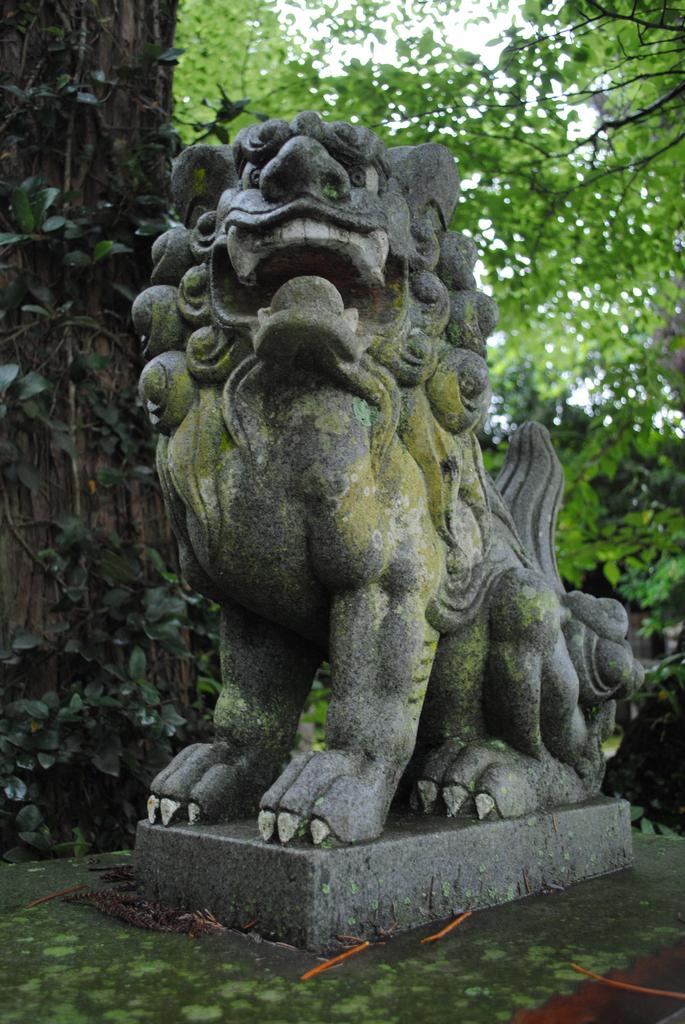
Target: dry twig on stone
334 960
627 986
54 895
446 929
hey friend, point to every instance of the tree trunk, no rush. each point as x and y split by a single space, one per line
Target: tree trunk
84 542
94 136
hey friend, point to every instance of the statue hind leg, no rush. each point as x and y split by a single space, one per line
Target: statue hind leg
502 707
267 671
452 715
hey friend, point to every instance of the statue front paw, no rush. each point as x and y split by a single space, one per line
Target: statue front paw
328 795
204 783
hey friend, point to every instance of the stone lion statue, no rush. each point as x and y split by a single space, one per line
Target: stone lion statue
317 377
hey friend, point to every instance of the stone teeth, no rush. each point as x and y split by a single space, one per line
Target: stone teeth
352 316
288 825
379 239
367 252
317 232
428 792
194 812
266 823
454 797
310 232
320 831
484 805
292 233
244 257
168 808
152 805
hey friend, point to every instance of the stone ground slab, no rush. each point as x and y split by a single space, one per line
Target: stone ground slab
64 963
422 869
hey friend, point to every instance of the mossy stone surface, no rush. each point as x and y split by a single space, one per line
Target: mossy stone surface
66 964
307 896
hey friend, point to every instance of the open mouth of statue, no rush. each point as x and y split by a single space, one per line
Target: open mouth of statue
307 247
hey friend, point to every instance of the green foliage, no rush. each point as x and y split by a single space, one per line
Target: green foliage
78 761
232 52
649 767
121 620
566 123
313 719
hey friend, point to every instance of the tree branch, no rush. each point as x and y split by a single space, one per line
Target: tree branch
634 20
639 115
599 91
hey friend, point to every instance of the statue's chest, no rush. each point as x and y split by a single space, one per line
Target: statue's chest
283 507
247 517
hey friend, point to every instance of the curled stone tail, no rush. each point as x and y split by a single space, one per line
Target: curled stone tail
531 483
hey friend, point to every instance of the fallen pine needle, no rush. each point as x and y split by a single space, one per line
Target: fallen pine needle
54 895
334 960
448 928
354 940
627 986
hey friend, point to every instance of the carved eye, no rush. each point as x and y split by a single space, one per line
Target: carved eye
253 178
357 177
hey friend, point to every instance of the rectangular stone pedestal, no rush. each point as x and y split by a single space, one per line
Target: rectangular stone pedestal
422 869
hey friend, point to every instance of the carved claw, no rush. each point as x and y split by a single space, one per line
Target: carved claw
152 805
428 794
320 831
455 797
168 808
266 823
484 805
194 813
288 825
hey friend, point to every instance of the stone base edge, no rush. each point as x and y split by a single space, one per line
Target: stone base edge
422 869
